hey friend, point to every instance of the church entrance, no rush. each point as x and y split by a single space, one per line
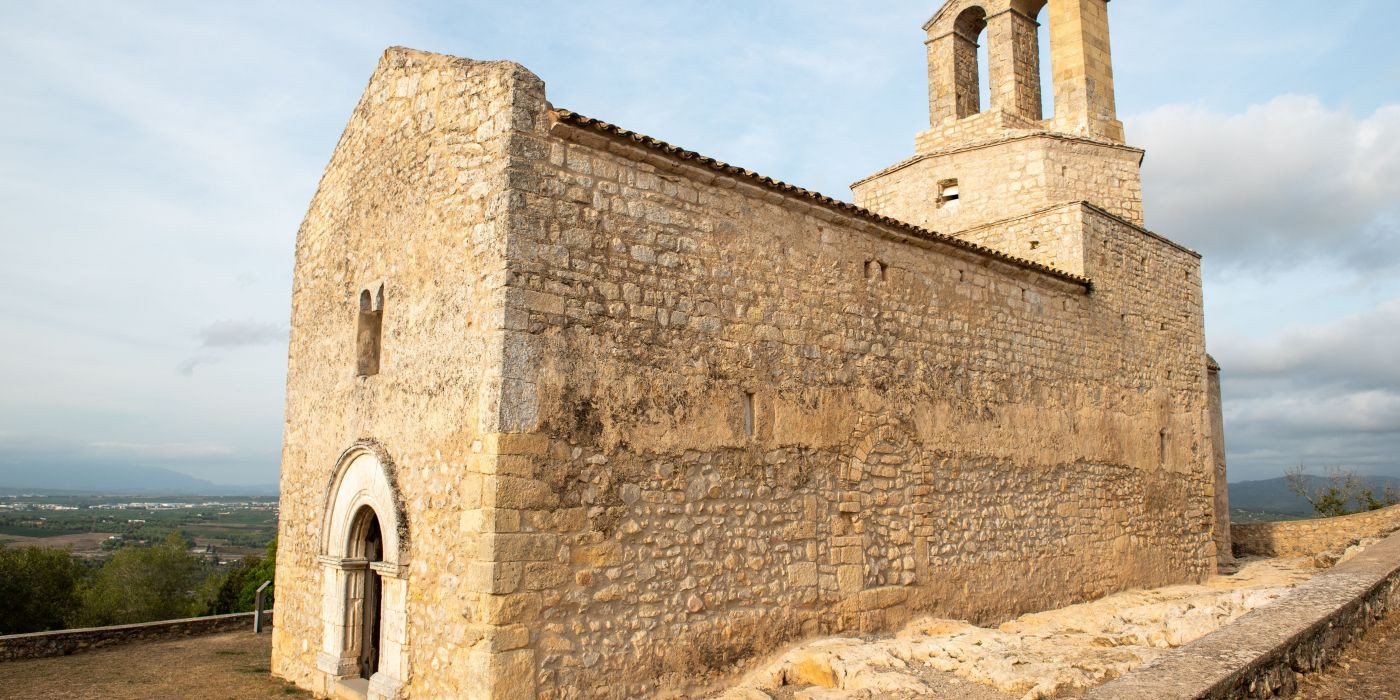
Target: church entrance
364 581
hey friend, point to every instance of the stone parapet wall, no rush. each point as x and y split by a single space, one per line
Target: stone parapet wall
39 645
1260 655
1291 538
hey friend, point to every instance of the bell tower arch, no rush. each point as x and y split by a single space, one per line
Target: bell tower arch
1080 54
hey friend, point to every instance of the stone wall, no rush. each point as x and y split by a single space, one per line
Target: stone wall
984 127
1051 237
1224 550
999 180
415 198
37 645
929 432
1291 538
1260 655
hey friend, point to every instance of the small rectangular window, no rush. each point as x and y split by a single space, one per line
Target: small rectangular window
748 414
948 193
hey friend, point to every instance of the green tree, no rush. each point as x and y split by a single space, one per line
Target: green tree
38 589
142 584
1342 492
239 588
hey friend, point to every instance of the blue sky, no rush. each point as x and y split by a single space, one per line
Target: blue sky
157 157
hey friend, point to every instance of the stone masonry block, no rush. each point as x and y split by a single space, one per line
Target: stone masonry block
519 493
497 578
597 555
513 675
513 465
510 609
850 579
802 574
543 575
516 443
519 546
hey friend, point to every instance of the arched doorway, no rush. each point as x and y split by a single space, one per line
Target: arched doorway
364 648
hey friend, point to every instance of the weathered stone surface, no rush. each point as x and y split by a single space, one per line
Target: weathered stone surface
1085 479
1039 655
669 415
416 199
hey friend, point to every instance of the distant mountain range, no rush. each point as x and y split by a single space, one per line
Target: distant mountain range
1272 495
117 479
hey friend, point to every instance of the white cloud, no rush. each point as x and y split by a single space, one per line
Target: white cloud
1322 413
1281 183
238 334
1320 395
1360 352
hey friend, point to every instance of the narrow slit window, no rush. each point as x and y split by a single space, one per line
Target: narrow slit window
748 414
368 327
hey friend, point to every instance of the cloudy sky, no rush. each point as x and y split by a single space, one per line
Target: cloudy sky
157 157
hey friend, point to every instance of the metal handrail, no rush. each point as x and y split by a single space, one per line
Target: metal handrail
258 604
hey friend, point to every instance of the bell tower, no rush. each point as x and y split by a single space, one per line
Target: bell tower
981 164
1079 53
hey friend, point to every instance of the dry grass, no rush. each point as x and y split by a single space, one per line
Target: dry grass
1366 668
214 667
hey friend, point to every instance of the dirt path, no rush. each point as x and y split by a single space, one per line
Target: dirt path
216 667
1366 669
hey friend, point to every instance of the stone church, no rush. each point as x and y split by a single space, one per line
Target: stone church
575 413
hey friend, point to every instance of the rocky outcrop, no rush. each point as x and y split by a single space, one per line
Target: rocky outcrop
1034 656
